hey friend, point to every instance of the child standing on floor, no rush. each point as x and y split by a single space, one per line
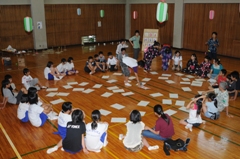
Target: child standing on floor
74 140
28 81
124 67
70 67
133 141
177 61
210 108
22 111
51 73
112 62
204 69
120 46
195 107
63 118
90 66
192 65
212 46
96 133
166 55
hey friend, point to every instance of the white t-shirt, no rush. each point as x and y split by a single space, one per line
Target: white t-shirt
134 134
21 111
62 67
26 81
193 117
222 98
63 119
120 46
93 137
70 66
47 70
177 59
112 61
34 114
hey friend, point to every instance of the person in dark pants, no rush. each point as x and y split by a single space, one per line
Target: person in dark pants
135 43
212 46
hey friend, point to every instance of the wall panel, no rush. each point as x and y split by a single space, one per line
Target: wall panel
147 19
198 27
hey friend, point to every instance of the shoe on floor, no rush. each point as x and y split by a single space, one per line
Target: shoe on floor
153 147
53 149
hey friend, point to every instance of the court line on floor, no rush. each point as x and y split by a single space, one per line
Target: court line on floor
10 142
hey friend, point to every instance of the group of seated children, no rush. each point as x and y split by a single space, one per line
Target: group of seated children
66 67
72 127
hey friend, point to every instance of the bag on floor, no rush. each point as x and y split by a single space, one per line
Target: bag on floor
175 145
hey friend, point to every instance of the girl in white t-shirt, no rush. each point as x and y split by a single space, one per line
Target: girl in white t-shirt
96 133
63 118
195 119
177 61
133 140
70 67
22 111
51 73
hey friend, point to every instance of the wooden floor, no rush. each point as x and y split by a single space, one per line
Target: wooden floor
215 139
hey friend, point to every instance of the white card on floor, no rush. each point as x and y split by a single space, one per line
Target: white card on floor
163 78
104 112
72 83
67 86
57 101
166 75
88 91
83 84
111 81
105 77
118 90
143 103
118 120
52 94
180 103
78 89
179 74
212 81
113 87
184 109
117 74
131 77
142 113
167 101
117 106
97 86
200 92
185 79
190 76
170 112
62 94
200 79
146 79
185 82
154 73
51 89
173 95
106 94
156 94
186 89
196 83
169 81
127 93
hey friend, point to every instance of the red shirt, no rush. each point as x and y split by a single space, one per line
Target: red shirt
166 130
221 79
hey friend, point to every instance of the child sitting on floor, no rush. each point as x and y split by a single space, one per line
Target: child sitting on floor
102 60
70 67
63 66
210 108
220 78
112 62
22 111
192 65
203 70
51 73
195 107
177 61
232 85
12 85
90 66
28 81
100 66
134 141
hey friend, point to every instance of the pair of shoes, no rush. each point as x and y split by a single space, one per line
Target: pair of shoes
53 149
44 87
153 147
127 84
120 136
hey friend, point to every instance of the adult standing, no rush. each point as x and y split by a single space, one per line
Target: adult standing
135 43
212 46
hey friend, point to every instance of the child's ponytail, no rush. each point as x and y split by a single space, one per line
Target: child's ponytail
158 109
212 97
96 116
